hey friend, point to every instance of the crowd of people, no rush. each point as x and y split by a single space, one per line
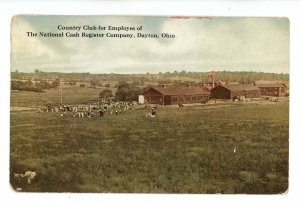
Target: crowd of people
101 108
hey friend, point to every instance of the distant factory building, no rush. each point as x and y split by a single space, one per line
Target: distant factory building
235 91
272 89
174 96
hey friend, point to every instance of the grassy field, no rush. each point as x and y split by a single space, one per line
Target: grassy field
70 95
189 150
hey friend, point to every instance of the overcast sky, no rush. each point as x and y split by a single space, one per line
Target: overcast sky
201 44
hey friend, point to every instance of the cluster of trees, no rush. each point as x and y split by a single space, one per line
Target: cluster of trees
125 92
30 86
25 86
72 82
55 83
95 82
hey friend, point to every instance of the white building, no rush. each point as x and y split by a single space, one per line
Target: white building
141 99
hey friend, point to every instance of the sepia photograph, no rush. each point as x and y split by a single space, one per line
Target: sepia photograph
149 104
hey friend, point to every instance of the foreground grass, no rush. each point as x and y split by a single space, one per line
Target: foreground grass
188 150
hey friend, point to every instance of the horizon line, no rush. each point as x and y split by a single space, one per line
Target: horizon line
154 73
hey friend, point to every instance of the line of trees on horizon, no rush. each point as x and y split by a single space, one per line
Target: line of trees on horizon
244 77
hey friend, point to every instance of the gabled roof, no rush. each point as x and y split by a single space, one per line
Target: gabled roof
271 85
181 91
239 87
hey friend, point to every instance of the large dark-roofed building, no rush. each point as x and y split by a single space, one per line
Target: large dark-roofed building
173 96
235 91
272 89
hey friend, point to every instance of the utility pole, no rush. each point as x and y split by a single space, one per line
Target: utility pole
60 95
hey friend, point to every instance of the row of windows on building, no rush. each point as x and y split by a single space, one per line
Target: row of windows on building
189 98
179 99
155 99
268 89
272 89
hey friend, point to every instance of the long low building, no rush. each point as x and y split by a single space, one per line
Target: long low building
173 96
272 89
235 91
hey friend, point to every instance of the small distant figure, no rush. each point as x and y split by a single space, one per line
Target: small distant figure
101 113
234 150
153 113
92 113
274 99
180 105
150 115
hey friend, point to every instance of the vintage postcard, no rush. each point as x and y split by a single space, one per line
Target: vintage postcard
144 104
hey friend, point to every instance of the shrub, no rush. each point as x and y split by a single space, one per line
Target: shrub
55 83
106 93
